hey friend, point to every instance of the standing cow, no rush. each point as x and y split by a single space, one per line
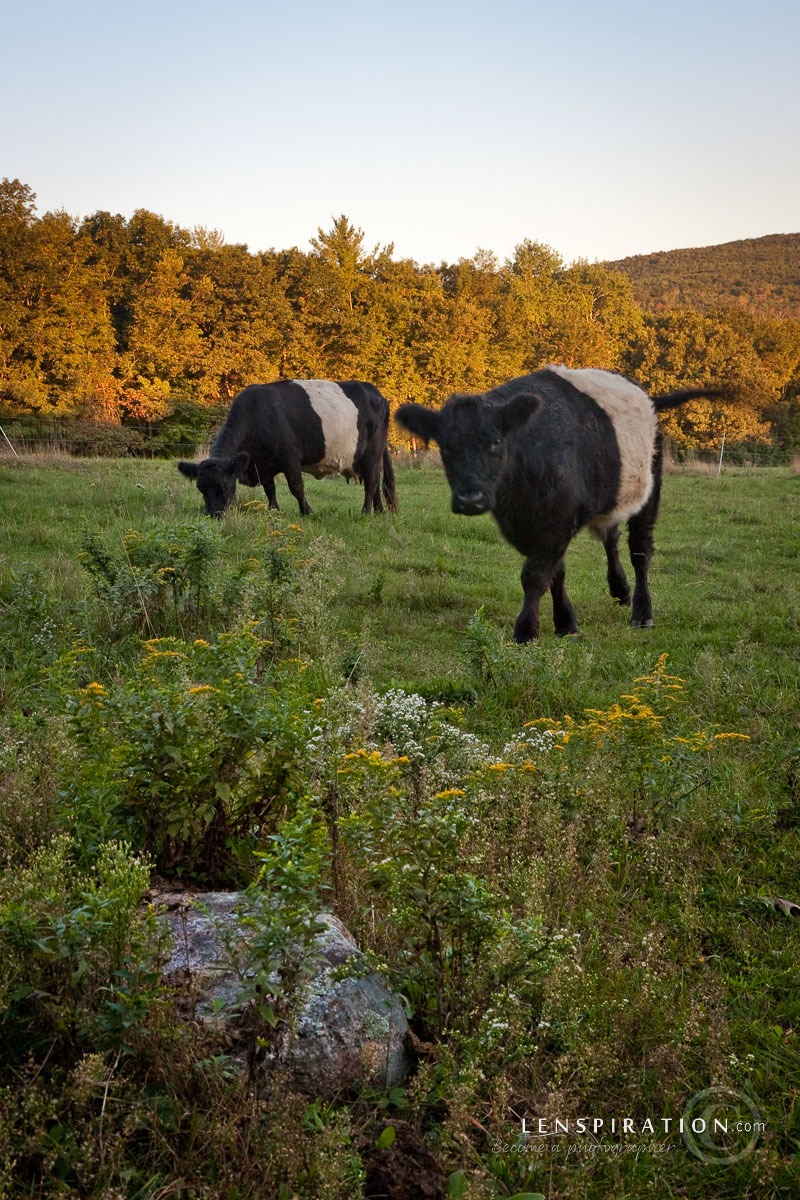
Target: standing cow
292 426
548 454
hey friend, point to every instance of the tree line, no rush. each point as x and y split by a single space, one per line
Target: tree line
125 320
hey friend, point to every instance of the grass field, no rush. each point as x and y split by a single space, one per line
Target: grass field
724 578
650 846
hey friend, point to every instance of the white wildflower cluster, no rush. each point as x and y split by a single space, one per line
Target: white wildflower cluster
45 639
562 946
334 722
403 719
15 751
650 947
417 730
494 1030
461 749
530 743
566 939
741 1068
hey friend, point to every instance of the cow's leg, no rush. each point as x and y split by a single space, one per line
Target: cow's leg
536 576
564 615
268 484
369 494
294 478
371 474
617 581
640 541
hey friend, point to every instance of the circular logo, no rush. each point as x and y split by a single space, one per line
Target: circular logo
721 1125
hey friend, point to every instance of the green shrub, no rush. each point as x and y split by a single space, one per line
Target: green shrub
36 627
100 439
193 579
157 583
186 431
451 944
272 949
193 756
76 952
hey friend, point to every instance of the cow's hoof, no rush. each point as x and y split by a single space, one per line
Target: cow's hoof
647 623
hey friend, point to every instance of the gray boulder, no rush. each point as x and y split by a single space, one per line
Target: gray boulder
350 1032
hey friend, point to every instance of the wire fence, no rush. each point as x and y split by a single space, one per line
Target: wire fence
95 439
170 439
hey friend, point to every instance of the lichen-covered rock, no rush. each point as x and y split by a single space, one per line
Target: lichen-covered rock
350 1033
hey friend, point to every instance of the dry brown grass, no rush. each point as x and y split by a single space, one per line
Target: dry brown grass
39 458
690 466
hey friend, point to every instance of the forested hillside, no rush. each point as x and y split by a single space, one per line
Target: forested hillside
762 274
137 322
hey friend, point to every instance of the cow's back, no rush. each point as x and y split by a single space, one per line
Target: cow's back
338 417
254 420
635 424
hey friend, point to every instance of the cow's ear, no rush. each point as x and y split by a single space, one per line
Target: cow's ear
240 462
514 413
421 421
190 470
233 465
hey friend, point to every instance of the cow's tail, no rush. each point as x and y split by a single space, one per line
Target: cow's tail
673 399
388 488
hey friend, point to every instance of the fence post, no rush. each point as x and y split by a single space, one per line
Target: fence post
5 435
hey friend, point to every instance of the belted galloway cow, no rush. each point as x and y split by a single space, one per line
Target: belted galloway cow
548 454
292 426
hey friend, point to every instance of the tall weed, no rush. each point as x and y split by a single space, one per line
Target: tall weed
190 756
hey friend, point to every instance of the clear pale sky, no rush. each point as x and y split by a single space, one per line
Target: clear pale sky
602 129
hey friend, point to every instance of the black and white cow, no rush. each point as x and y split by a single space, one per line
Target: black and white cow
293 426
548 454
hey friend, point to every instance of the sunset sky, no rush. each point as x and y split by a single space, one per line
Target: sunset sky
601 129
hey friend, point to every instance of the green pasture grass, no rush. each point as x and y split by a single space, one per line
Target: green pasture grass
724 580
47 503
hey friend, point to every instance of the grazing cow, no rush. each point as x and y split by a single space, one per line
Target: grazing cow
548 454
292 426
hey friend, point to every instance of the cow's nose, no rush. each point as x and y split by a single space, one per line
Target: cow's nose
470 503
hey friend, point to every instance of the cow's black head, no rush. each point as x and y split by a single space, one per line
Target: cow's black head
216 479
471 432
